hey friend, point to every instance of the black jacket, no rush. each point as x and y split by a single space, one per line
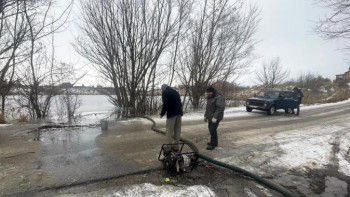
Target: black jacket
171 103
298 93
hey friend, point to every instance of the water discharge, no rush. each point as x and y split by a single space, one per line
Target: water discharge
71 155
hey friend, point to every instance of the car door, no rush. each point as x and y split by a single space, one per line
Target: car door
289 100
279 101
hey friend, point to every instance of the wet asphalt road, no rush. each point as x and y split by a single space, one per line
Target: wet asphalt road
73 156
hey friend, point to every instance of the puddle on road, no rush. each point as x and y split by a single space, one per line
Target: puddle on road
66 140
71 155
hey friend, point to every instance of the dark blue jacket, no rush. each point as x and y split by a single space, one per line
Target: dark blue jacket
171 103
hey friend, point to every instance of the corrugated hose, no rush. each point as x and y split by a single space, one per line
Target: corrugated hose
257 178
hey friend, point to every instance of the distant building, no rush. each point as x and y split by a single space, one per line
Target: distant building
343 77
66 85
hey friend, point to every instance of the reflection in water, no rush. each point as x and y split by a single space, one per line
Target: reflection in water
71 155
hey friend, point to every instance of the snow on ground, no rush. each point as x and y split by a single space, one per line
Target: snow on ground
307 107
343 154
5 125
303 148
150 190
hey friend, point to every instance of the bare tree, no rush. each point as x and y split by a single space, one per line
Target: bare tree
125 40
272 74
41 74
218 45
13 29
310 81
337 23
68 99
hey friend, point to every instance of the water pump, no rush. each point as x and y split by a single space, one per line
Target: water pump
174 160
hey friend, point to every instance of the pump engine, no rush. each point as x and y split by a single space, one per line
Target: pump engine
174 160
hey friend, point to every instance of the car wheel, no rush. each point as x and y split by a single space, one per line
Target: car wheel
271 111
288 111
249 109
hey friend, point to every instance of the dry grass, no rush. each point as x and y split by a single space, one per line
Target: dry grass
23 118
2 118
313 97
339 96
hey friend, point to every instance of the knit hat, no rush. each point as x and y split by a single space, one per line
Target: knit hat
164 86
210 89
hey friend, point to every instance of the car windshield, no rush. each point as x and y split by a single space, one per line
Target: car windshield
269 94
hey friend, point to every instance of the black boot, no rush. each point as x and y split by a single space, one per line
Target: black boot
210 147
208 143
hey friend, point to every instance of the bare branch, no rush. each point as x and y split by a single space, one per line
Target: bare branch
272 74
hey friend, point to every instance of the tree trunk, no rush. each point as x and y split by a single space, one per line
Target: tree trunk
3 98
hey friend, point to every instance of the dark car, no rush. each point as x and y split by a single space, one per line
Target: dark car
270 100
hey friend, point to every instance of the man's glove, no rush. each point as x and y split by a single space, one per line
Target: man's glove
214 120
205 120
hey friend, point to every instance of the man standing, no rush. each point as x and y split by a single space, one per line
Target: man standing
173 108
214 113
299 95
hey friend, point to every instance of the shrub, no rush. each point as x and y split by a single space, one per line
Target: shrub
313 98
22 118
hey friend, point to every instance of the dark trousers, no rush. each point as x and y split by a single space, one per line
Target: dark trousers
213 133
299 102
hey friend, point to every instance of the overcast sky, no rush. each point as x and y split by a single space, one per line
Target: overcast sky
285 30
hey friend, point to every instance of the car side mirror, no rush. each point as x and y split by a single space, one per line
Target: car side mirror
281 97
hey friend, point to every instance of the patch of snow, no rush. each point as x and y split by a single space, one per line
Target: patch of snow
249 192
148 189
5 125
302 148
305 147
323 89
344 153
265 190
344 166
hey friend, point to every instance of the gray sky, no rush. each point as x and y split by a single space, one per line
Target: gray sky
285 30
